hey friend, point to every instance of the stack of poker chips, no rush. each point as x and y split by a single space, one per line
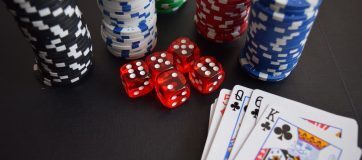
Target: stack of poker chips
169 6
222 20
276 37
129 27
59 38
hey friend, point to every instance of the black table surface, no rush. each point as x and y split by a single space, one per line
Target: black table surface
96 120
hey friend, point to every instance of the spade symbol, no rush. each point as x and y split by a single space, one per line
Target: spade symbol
235 106
255 113
283 132
265 126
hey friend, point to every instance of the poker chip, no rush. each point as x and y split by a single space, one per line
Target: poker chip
59 38
129 27
169 6
277 33
222 20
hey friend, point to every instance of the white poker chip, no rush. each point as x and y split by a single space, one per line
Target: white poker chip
129 27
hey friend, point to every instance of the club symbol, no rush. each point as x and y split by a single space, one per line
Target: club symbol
265 126
283 132
255 113
235 106
245 108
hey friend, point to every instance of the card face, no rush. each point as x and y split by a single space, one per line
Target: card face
212 110
343 127
282 135
247 124
230 123
221 103
359 152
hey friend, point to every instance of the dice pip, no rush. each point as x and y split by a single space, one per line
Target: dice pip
206 74
136 79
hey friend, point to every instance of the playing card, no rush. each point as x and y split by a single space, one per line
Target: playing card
219 111
212 110
230 123
342 127
247 123
282 135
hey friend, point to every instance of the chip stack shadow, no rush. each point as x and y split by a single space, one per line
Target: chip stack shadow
278 31
59 38
129 27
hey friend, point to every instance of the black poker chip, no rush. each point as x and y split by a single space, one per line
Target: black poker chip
63 80
52 29
80 51
36 7
66 72
64 65
59 38
61 49
74 36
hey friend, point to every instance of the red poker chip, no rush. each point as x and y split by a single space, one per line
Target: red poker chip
219 22
222 16
222 10
223 7
226 4
222 20
219 36
229 15
218 27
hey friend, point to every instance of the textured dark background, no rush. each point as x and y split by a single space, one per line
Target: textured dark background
96 120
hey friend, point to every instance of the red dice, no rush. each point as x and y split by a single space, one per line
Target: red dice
172 89
159 62
164 72
136 79
185 52
207 74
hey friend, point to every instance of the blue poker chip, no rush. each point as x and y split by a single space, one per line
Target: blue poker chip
271 66
264 76
273 49
280 27
285 41
277 33
274 29
291 6
280 17
267 61
280 57
274 71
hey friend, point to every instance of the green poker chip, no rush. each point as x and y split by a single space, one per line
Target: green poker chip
169 6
